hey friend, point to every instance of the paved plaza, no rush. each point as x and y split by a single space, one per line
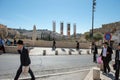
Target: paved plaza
50 67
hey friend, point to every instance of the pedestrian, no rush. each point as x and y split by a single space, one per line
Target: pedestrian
95 52
2 45
77 45
54 44
15 42
106 54
117 62
8 42
24 61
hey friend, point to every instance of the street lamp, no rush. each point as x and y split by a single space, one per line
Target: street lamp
93 10
91 33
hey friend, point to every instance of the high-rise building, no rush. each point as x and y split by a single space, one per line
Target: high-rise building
74 28
61 28
34 36
68 30
54 26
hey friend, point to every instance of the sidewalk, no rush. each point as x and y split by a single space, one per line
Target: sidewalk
86 74
50 51
109 76
61 51
50 65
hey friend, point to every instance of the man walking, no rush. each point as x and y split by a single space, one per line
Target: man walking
95 52
77 45
106 57
2 45
24 60
117 62
54 44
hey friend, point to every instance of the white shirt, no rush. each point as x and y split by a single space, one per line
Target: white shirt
104 52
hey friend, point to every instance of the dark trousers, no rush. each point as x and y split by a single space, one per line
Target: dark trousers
94 57
19 71
54 47
106 64
2 48
77 47
117 70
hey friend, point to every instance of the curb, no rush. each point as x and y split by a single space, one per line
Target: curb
103 77
89 75
55 74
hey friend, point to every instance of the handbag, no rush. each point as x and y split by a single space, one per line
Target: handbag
99 60
25 69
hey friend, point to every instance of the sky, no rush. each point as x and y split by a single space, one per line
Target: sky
26 13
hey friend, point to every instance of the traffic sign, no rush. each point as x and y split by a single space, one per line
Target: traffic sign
107 36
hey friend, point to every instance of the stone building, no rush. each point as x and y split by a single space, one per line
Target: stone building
8 32
110 27
3 31
116 37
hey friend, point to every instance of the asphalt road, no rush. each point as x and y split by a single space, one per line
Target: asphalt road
9 63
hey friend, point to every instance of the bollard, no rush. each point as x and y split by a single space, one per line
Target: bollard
56 52
88 52
44 52
96 73
70 52
79 52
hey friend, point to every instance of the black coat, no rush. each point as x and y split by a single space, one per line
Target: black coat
24 57
109 55
117 55
95 49
116 65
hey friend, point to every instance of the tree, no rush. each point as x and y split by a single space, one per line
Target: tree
97 36
87 36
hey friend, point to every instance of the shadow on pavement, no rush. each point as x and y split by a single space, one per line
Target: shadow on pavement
63 49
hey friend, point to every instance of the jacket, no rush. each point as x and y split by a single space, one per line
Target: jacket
95 49
24 57
109 55
117 55
116 65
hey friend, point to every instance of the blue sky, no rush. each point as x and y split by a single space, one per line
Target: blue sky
26 13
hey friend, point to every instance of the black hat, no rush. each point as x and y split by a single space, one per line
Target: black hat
105 43
20 42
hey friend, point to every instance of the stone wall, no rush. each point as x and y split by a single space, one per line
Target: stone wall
11 49
110 27
59 44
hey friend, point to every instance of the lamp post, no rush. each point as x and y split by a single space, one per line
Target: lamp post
91 33
93 10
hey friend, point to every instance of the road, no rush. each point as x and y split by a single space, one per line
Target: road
9 63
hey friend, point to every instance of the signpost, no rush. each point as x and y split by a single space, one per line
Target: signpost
108 37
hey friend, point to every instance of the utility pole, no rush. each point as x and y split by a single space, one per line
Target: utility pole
93 10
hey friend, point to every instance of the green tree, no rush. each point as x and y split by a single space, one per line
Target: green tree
87 36
97 36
